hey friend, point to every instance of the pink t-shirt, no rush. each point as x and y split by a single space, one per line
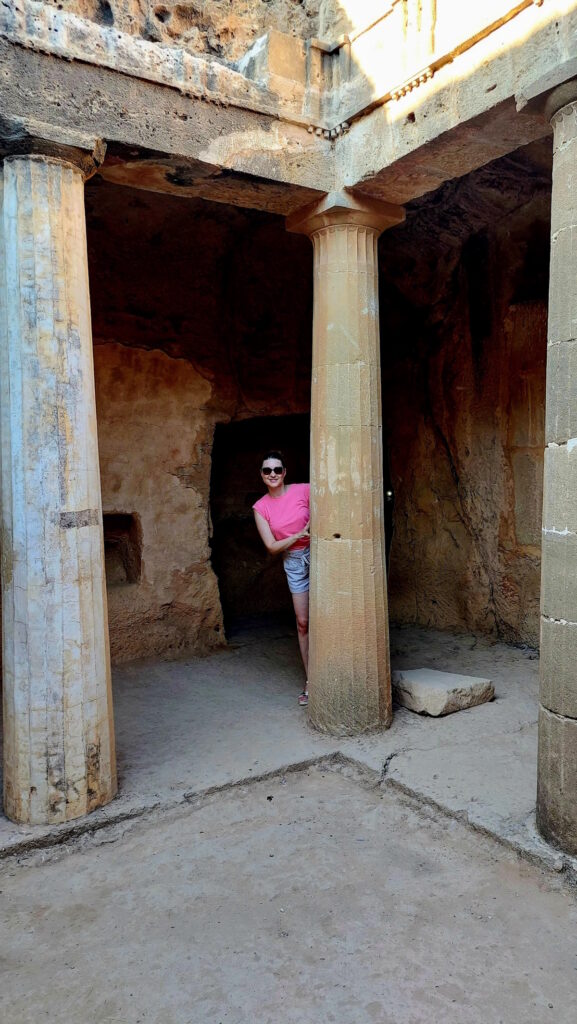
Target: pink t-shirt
288 514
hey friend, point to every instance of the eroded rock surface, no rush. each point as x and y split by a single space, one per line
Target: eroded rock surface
223 31
463 321
155 441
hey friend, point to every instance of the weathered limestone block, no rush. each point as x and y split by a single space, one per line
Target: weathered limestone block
564 201
558 576
557 776
275 56
561 408
557 780
429 692
559 682
59 759
560 486
562 294
349 671
559 541
562 300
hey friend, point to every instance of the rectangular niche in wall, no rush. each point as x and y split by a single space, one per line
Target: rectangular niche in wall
122 548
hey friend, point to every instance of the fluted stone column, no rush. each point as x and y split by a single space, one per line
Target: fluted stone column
349 672
59 759
557 777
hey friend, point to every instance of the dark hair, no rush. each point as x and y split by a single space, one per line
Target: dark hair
273 455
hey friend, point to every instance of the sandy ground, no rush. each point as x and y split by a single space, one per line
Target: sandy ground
186 726
316 896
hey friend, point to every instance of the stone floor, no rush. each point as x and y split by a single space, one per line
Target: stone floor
314 897
189 726
252 870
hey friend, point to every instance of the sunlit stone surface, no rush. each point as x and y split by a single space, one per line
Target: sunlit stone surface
58 735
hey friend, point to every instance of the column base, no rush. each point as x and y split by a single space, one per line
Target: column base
349 726
557 780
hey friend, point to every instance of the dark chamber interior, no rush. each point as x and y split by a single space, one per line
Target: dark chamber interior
122 548
252 583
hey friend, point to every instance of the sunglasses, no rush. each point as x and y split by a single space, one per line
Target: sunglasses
267 470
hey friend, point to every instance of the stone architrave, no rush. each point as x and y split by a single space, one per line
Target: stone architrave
557 772
59 759
349 670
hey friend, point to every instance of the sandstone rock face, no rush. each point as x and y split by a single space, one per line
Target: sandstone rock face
195 323
429 692
155 444
464 349
222 31
202 316
227 290
466 466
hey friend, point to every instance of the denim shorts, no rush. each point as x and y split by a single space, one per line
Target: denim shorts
296 565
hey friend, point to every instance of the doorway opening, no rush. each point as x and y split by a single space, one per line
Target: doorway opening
252 583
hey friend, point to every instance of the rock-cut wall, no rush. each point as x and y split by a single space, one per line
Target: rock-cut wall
220 29
201 315
155 440
464 404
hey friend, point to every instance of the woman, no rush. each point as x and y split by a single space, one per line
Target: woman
282 520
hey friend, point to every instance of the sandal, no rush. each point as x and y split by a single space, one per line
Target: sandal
304 698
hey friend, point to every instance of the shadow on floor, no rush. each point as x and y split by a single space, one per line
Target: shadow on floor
186 726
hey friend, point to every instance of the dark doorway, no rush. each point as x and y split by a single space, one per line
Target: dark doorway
252 583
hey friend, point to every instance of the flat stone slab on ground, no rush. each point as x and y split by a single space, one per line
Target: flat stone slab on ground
430 692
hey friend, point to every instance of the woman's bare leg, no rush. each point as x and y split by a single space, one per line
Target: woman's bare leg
301 607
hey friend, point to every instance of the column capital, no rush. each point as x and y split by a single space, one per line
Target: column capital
31 139
563 96
346 208
546 95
